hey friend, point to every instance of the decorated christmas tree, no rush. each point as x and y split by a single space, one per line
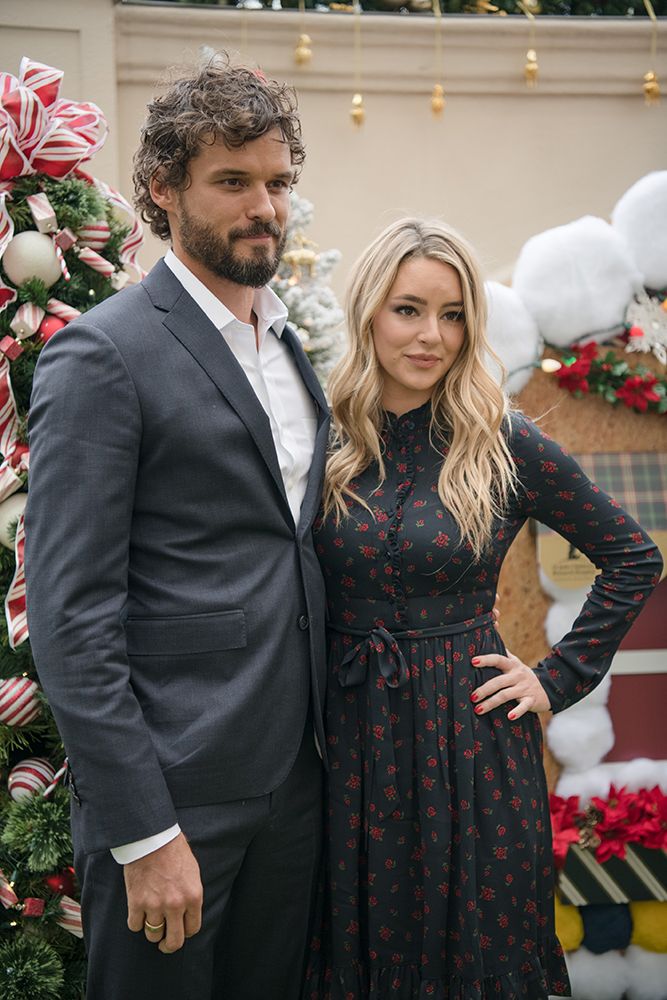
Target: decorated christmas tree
67 241
301 283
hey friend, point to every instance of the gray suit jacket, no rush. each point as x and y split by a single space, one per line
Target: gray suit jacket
176 612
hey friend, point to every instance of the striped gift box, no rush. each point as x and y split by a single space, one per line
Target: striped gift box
641 875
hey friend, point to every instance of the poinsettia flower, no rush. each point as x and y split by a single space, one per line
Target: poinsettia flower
573 376
564 813
638 391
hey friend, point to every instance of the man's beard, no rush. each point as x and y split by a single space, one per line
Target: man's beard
204 244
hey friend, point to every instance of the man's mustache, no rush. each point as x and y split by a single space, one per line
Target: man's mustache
258 229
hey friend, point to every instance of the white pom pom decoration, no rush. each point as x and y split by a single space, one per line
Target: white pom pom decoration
560 619
596 781
31 776
19 703
647 974
577 281
640 219
582 738
597 977
564 595
31 255
513 335
10 511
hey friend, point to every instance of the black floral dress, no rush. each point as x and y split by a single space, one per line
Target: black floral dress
439 880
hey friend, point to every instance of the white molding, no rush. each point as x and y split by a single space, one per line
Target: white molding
577 56
639 661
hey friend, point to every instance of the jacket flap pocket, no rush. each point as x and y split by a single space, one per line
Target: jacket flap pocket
175 636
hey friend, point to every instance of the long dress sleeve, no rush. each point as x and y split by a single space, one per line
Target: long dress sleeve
553 489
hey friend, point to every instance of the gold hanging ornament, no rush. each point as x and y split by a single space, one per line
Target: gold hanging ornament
438 92
438 99
302 257
531 69
303 52
651 86
358 111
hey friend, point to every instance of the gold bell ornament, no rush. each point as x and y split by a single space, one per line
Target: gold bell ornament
531 69
357 111
303 52
651 89
438 99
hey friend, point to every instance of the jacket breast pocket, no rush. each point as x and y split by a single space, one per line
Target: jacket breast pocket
184 635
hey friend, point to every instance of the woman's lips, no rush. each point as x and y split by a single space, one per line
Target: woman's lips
423 360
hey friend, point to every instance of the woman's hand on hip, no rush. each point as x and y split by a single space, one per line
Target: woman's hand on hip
516 682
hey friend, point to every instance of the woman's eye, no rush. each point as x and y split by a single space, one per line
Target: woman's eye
406 310
453 316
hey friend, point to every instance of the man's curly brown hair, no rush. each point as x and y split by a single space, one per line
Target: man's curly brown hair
231 103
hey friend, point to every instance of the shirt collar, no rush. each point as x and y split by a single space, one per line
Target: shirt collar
271 311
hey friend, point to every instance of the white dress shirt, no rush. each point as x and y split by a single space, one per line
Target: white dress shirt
272 372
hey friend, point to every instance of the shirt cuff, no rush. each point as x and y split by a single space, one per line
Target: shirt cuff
127 853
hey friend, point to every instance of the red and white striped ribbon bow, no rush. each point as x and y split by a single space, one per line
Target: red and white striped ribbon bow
15 452
15 608
40 133
132 243
70 916
7 294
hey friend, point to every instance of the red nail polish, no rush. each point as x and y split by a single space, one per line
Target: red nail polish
479 709
474 697
511 715
475 660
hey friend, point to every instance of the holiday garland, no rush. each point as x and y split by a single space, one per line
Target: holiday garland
586 370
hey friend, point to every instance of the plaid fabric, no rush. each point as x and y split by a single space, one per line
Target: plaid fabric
638 481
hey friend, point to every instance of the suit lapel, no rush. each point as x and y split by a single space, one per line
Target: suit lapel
186 321
192 328
313 494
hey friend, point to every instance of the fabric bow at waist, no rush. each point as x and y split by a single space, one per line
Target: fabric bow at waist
377 656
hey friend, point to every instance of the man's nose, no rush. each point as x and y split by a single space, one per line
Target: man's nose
259 205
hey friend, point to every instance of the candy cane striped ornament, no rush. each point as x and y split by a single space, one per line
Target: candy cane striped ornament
95 235
70 916
14 451
19 704
26 320
15 609
57 308
31 776
97 263
8 897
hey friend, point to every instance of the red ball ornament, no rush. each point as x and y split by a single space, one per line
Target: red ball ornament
49 326
62 883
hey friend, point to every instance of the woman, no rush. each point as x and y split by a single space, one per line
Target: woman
439 870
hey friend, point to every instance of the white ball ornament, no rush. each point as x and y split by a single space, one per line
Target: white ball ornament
10 511
577 281
19 704
640 219
513 335
31 255
31 776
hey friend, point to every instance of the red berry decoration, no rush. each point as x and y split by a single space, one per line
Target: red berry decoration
62 883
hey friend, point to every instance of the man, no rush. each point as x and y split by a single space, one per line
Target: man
175 602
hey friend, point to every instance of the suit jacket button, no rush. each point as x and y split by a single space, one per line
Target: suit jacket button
303 622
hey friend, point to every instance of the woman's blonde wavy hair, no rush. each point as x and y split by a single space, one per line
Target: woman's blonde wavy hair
469 407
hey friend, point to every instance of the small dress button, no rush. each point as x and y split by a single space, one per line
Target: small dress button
303 622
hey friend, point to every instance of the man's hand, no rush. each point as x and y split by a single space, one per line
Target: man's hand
164 895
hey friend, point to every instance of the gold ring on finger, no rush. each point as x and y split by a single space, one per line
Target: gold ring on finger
153 927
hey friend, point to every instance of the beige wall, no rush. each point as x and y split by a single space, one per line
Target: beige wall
501 164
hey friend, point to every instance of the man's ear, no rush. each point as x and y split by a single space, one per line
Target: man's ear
162 194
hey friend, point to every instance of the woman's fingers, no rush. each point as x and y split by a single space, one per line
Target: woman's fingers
517 682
